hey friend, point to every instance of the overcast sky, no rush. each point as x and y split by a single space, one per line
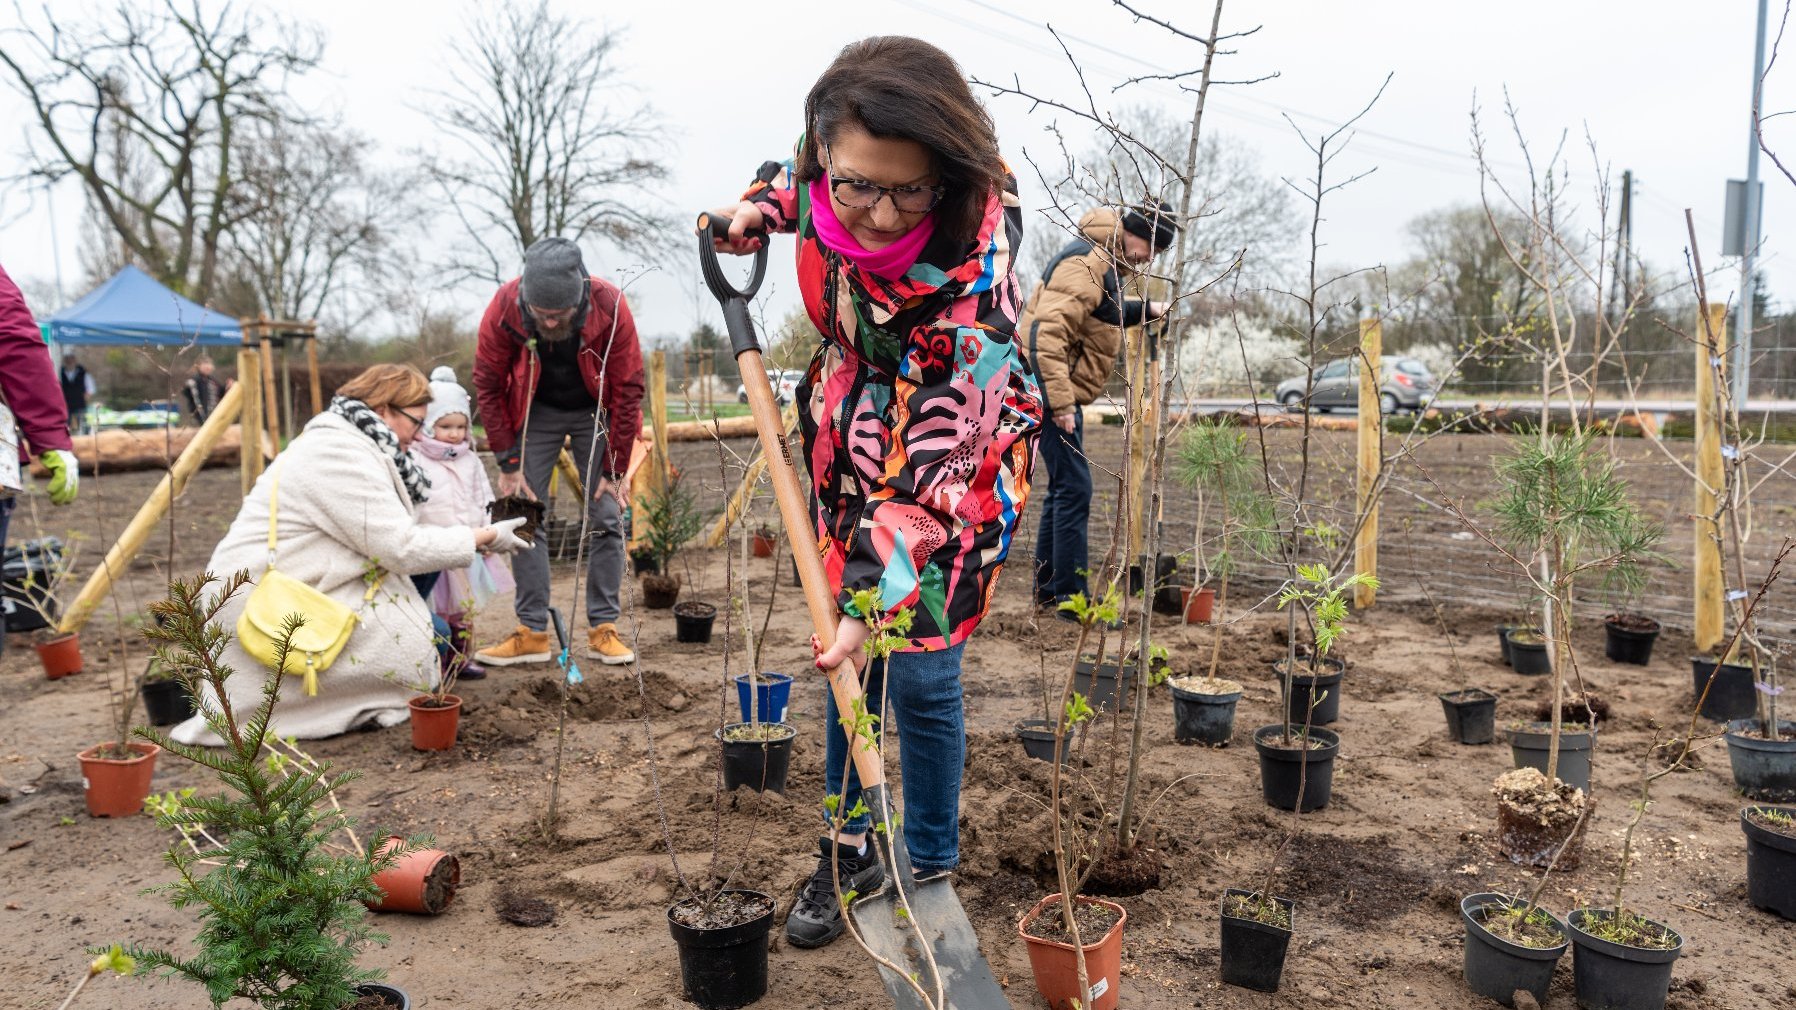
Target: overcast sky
1661 87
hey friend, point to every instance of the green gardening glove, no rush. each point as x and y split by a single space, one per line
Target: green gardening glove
65 475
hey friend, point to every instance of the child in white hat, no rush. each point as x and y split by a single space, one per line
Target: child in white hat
459 494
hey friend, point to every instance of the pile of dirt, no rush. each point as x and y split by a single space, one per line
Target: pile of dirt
1351 881
600 699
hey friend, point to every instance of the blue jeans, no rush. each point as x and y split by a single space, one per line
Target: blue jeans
927 713
439 627
1060 559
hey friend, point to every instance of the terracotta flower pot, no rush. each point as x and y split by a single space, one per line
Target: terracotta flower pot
421 882
434 726
1198 604
60 655
763 545
116 787
1056 964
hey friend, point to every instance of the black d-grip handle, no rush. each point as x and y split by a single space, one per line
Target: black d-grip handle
734 301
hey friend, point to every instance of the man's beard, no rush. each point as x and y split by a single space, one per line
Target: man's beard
559 333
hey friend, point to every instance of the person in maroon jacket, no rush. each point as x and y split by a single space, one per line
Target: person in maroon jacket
557 357
31 392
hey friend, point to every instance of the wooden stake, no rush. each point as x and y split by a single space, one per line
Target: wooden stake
312 367
739 498
1710 588
271 403
123 550
571 473
1141 396
1371 455
249 383
658 468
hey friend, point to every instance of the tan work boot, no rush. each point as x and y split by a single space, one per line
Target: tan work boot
521 646
603 645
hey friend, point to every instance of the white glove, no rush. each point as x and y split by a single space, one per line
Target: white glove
504 540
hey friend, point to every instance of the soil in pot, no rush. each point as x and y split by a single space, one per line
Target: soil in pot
1322 690
1055 960
116 780
1530 743
1535 818
756 756
1771 858
1764 769
512 507
1283 763
1101 684
1731 696
1509 947
1037 736
1528 652
660 591
380 996
422 882
435 721
59 654
722 937
1471 715
1623 965
692 621
1255 935
1203 710
166 700
772 693
1629 638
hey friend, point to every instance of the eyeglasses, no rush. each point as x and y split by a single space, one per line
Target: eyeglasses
417 422
860 195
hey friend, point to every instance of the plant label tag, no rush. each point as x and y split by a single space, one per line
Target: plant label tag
1099 988
1736 594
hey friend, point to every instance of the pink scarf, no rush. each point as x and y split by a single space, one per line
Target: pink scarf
889 263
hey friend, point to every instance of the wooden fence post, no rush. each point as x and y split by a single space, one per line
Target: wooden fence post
312 368
1371 455
249 380
1710 588
658 469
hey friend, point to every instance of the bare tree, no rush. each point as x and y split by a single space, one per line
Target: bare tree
317 222
552 141
145 108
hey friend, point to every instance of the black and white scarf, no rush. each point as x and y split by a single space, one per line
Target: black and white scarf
357 413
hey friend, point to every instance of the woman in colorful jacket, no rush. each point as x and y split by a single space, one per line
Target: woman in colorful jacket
922 418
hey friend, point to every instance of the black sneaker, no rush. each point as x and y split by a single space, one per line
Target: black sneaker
816 917
922 876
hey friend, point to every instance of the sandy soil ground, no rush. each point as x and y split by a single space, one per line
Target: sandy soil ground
1377 875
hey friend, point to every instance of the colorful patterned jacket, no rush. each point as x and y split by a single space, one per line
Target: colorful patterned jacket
922 419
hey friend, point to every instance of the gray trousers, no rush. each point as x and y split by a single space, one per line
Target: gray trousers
605 531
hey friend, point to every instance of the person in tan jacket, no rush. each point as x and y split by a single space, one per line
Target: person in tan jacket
1071 331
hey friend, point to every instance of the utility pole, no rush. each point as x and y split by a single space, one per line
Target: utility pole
1750 230
1621 283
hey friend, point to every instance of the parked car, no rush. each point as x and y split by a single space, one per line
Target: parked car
784 383
1407 385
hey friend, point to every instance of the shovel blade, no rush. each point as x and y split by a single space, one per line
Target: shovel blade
967 979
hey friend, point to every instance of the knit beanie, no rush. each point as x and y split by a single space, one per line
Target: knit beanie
554 275
446 397
1151 222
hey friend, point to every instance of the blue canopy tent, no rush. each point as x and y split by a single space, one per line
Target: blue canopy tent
132 310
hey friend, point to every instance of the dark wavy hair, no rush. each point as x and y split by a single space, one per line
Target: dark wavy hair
897 87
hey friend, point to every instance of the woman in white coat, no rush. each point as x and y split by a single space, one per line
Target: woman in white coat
347 494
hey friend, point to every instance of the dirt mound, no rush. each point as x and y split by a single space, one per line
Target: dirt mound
1352 881
602 697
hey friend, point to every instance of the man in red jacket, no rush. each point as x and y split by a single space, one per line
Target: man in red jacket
557 357
31 408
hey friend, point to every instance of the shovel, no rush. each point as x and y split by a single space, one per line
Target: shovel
965 980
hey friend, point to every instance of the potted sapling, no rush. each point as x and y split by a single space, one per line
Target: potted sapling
1761 749
281 916
1297 767
764 541
1771 858
757 753
166 700
1040 736
1525 648
116 774
1471 711
1310 682
670 519
1512 944
1214 461
1628 635
760 694
46 566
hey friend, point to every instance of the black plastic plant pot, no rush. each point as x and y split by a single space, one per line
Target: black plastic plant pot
1305 689
393 996
1629 645
1496 968
1280 767
1164 568
1038 740
1101 684
1471 715
1203 718
1614 976
1169 600
1770 864
760 765
1253 953
166 702
1763 769
725 967
1529 745
1530 658
1503 631
1732 696
692 621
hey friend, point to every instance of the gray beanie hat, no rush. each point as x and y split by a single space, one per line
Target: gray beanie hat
554 275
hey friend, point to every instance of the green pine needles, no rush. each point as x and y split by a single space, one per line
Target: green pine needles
281 916
670 519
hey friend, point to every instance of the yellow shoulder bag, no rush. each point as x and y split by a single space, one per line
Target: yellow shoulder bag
277 595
